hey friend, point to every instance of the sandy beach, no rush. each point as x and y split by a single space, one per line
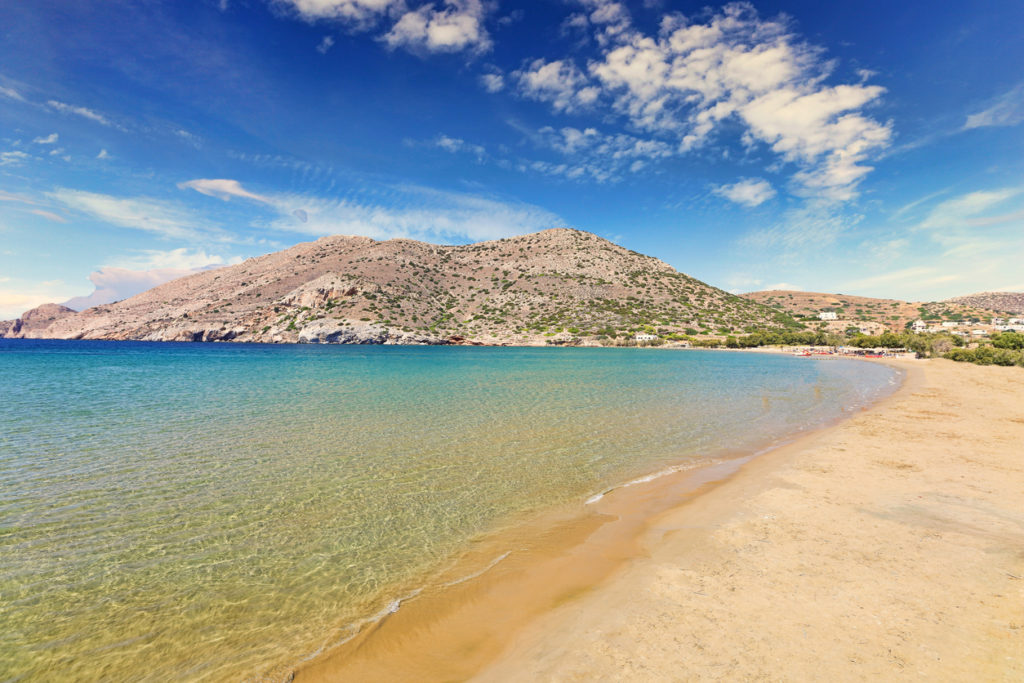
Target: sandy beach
890 546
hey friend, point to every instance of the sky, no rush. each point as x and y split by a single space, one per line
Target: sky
864 148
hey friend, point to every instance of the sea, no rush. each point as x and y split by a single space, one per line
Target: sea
201 512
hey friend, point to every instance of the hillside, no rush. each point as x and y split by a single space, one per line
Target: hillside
873 314
1005 302
555 286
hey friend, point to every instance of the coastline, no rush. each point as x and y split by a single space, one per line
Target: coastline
887 546
803 561
513 579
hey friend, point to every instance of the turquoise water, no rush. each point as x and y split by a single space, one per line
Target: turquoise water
211 512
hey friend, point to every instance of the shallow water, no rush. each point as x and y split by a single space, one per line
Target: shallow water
208 512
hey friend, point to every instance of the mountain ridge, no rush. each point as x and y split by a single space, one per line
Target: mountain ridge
891 314
554 286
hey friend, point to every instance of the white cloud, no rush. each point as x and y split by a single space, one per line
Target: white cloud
103 154
362 14
50 139
144 270
412 212
454 145
596 156
1005 110
451 26
915 276
806 230
326 44
417 213
11 197
49 215
785 286
11 93
695 78
170 259
150 215
559 82
493 82
748 192
222 188
64 108
13 158
24 296
459 26
965 210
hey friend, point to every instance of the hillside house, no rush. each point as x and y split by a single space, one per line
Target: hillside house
828 315
919 326
643 336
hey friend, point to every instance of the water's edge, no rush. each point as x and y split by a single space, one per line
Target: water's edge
629 507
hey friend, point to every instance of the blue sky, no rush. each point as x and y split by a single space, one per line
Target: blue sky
864 148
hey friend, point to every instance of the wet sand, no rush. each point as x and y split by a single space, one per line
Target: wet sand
888 546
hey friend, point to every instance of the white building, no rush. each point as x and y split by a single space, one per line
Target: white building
646 337
998 321
978 333
828 315
950 323
1015 321
919 326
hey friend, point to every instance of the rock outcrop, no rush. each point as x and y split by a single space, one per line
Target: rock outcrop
35 322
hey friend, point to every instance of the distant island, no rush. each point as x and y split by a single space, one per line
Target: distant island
555 287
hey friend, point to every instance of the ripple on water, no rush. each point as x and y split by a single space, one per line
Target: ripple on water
214 511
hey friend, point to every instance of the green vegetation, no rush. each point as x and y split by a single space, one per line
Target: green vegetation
1003 349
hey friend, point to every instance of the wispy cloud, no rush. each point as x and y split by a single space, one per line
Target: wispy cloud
1005 110
802 231
11 93
49 215
142 271
162 218
326 44
222 188
50 139
412 212
966 210
84 112
18 296
13 158
493 82
917 277
748 191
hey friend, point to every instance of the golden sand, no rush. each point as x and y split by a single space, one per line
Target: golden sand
890 546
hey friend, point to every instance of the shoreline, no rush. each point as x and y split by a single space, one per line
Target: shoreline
887 546
449 630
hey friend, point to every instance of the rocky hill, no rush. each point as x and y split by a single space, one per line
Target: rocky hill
891 314
35 321
1005 302
555 286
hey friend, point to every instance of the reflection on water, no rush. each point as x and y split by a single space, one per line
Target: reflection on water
212 511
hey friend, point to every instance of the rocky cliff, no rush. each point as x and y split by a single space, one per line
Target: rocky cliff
553 286
35 322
